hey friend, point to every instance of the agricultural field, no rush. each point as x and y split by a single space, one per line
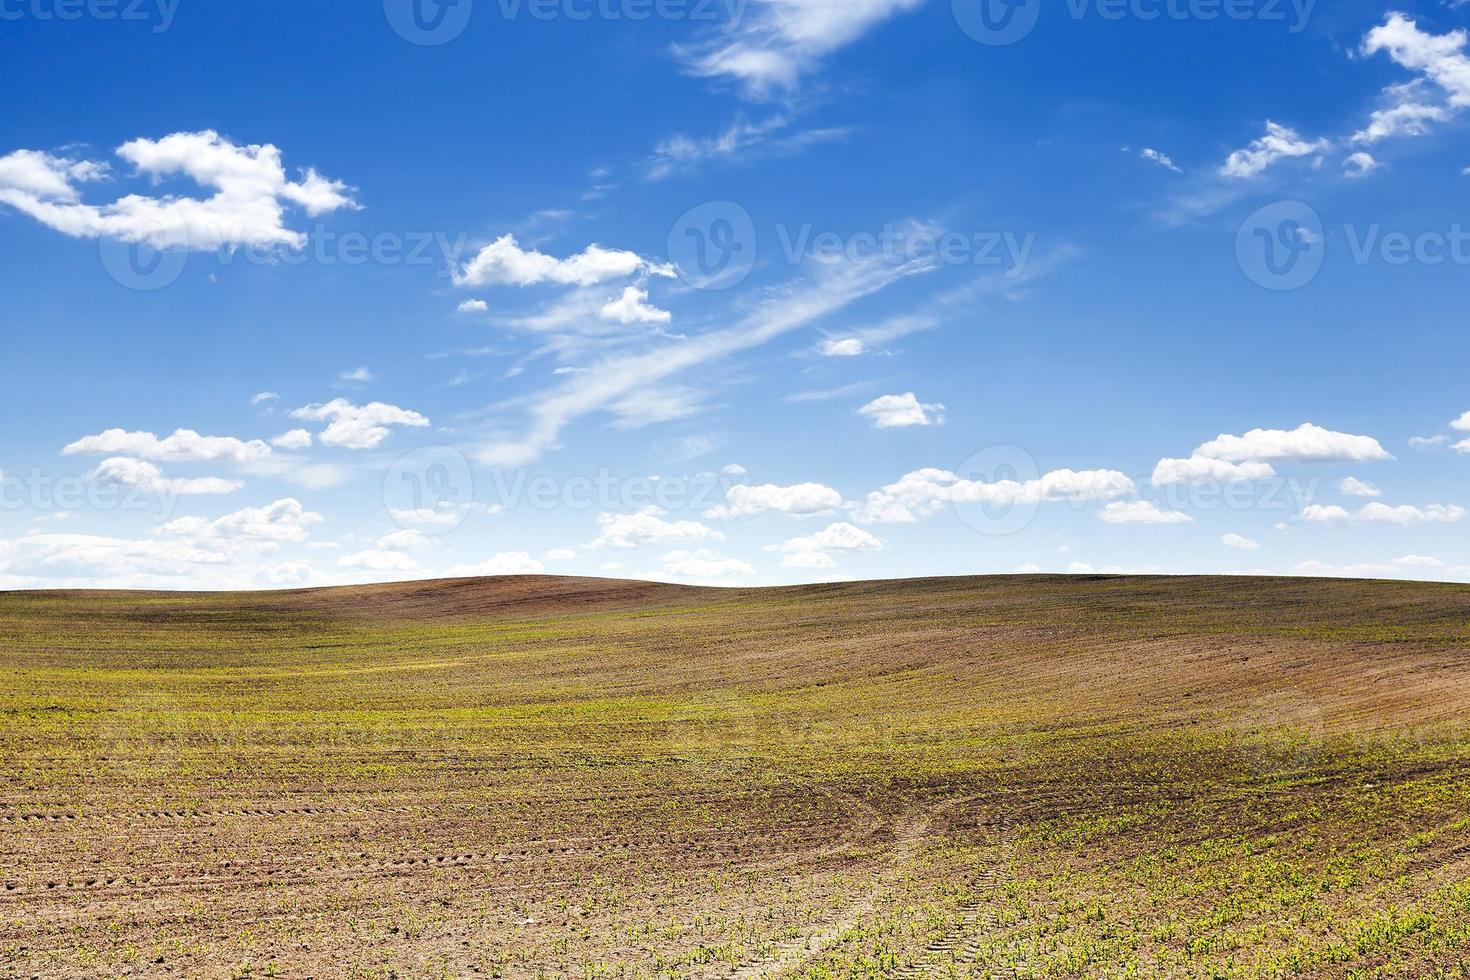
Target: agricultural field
989 777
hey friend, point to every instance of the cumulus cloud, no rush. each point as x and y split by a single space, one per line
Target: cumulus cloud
377 560
839 537
901 411
1240 542
809 560
801 500
248 206
1384 514
506 563
505 263
648 526
295 439
1279 143
185 445
407 540
474 306
1440 58
1141 512
358 426
923 492
1405 116
1360 165
1354 487
124 471
705 565
1204 469
283 521
844 347
1305 444
633 307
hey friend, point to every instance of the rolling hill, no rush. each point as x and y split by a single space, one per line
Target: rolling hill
540 777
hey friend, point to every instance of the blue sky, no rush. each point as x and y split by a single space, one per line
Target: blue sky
731 291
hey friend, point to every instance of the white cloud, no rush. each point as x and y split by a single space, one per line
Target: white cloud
263 397
185 445
1162 159
841 537
809 559
375 560
507 563
734 469
559 554
1405 117
900 411
780 40
295 439
248 207
1204 469
704 564
1354 487
474 306
1418 561
283 521
801 500
1384 514
845 347
1279 143
1427 442
1141 512
1305 444
358 375
739 139
923 492
1463 446
1240 542
613 379
1439 57
358 426
633 307
1461 424
1360 165
407 540
444 514
648 526
128 472
506 263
